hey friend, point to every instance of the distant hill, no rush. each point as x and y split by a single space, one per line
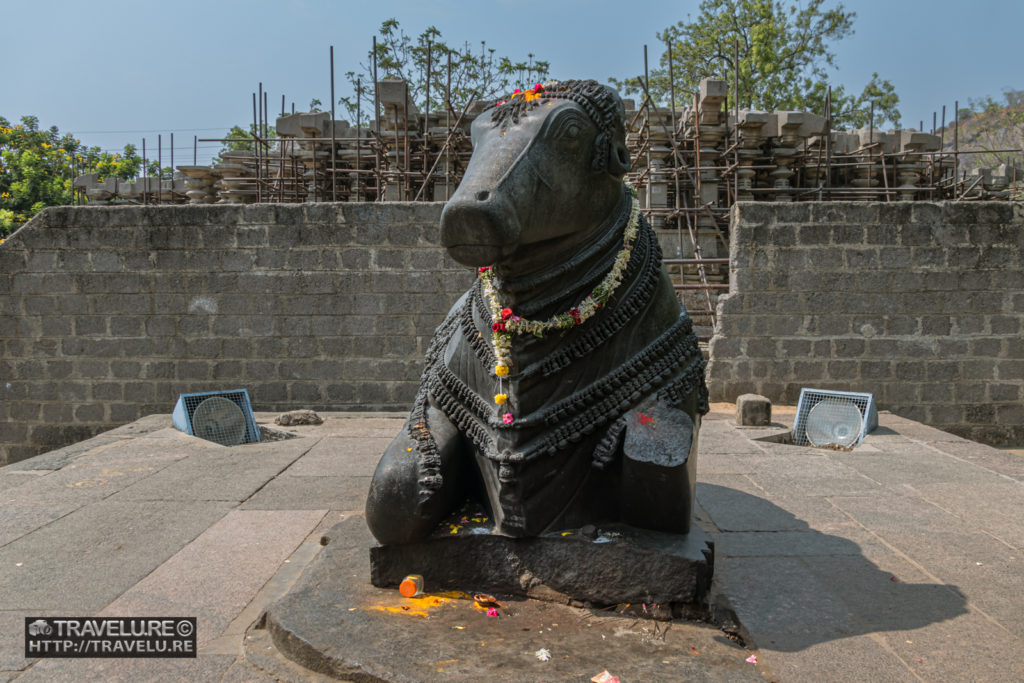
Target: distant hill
986 128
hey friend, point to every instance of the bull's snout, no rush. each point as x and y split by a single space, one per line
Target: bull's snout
478 228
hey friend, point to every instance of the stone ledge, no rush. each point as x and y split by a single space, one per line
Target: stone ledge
622 565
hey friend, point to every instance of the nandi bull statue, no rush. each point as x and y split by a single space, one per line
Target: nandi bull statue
565 387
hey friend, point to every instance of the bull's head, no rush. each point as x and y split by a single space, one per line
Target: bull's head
546 172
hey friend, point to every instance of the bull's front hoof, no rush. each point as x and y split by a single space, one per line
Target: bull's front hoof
391 505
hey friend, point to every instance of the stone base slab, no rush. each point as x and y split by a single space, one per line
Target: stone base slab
333 622
617 564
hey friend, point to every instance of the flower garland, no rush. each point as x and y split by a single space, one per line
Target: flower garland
504 323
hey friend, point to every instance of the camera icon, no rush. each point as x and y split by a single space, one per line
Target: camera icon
40 627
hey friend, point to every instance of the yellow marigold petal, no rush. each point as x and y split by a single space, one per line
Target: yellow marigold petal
501 370
500 399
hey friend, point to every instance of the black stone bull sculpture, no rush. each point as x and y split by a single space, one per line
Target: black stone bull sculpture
566 386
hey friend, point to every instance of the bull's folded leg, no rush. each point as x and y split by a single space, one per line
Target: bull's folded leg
418 481
659 467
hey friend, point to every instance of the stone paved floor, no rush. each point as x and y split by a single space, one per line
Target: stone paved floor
900 560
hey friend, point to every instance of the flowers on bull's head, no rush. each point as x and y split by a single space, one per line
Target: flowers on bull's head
505 323
525 95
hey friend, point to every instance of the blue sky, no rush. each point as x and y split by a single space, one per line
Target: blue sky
116 71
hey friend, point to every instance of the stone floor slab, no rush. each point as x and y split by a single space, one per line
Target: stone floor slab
90 478
10 480
143 426
995 506
734 503
54 460
202 668
220 473
243 672
83 561
812 474
337 456
12 640
809 543
854 658
915 466
982 567
311 493
215 576
967 648
1008 463
373 425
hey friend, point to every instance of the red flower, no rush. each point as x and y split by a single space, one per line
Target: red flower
538 88
483 270
498 327
506 313
516 91
575 313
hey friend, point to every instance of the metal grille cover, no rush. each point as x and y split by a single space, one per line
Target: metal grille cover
224 417
833 422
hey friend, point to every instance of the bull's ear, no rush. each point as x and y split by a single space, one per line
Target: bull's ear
618 158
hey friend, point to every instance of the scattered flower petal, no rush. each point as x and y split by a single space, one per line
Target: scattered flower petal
752 659
492 612
542 654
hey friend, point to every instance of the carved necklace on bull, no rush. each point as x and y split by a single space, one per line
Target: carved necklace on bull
505 323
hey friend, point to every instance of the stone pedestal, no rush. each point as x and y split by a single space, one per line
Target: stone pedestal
602 566
336 624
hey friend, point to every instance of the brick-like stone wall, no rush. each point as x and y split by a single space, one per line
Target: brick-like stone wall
921 304
109 313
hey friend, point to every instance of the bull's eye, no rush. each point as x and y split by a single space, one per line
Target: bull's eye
567 126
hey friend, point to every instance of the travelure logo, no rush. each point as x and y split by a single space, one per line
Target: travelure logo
39 627
110 637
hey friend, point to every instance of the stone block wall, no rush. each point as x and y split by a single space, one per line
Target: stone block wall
109 313
921 304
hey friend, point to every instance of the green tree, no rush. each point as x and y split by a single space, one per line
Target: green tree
37 167
474 71
242 139
784 57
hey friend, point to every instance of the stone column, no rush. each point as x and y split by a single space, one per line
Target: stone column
712 127
750 125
